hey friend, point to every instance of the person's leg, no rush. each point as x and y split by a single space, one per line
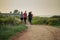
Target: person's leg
25 20
22 20
29 20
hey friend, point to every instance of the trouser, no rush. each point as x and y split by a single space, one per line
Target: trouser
21 20
30 19
25 20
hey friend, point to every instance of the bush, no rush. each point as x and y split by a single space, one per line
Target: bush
39 20
53 21
7 31
55 16
8 20
47 21
9 26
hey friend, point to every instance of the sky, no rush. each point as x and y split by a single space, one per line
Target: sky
38 7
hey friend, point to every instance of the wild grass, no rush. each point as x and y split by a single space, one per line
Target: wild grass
7 31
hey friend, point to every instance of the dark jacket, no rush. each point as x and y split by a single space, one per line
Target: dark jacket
30 16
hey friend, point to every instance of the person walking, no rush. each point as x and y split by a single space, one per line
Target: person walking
21 17
30 16
25 17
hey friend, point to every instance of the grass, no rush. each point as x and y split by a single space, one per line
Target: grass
7 31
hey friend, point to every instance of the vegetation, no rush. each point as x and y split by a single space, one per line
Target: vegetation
16 11
39 20
4 20
9 26
46 21
55 16
54 21
7 31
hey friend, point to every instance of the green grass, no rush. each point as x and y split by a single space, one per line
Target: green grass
39 20
7 31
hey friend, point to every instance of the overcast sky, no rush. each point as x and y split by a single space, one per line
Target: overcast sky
38 7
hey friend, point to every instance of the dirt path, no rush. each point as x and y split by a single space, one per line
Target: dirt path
40 32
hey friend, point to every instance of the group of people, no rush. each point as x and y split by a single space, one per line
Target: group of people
24 17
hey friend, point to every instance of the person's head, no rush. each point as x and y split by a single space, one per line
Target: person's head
25 11
30 13
21 12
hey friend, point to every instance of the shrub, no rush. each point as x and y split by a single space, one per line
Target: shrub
9 20
47 21
9 26
56 16
39 20
35 20
7 31
53 21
